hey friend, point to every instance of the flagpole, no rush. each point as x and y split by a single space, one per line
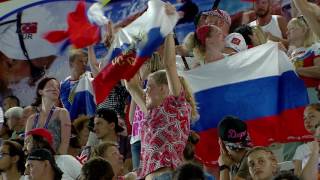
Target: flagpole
182 57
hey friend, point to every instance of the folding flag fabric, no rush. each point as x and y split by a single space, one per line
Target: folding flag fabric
80 33
80 100
260 87
132 46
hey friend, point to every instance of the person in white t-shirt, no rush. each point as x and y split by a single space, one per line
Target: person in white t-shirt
303 152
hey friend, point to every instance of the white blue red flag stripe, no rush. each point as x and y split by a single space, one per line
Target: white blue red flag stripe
260 87
132 46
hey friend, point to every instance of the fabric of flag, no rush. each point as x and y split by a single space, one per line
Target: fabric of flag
80 33
132 46
78 98
260 87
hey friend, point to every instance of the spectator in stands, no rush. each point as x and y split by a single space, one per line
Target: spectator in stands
42 164
107 129
211 44
16 122
275 26
305 54
311 12
219 18
254 36
97 169
78 62
11 161
303 152
187 11
110 152
136 116
189 171
235 43
234 144
50 117
41 138
191 44
262 163
9 102
166 92
81 126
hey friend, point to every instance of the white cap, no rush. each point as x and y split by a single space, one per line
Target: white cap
236 42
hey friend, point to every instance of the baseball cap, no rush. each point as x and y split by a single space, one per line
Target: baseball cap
44 133
219 13
233 132
110 116
236 42
42 155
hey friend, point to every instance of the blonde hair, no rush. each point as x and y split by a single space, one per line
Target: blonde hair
99 150
301 23
155 63
160 78
270 154
260 34
189 97
75 54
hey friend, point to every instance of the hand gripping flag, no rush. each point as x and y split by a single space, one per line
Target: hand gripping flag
132 46
260 87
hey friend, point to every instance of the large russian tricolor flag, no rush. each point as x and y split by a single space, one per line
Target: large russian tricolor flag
260 86
132 46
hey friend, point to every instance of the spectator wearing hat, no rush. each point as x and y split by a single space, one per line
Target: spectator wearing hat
97 168
42 164
192 44
107 129
11 161
219 18
41 138
16 122
274 25
311 12
253 36
234 143
211 42
235 43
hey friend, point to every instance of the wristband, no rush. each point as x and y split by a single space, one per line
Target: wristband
223 167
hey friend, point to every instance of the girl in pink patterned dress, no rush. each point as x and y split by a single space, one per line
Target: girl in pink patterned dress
169 106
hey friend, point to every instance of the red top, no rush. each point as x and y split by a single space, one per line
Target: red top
164 135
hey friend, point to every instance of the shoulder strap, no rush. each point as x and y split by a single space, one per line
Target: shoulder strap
36 72
36 120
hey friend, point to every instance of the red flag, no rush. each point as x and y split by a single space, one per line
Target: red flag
123 66
81 32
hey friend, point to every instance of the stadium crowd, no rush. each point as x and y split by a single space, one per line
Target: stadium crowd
142 130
